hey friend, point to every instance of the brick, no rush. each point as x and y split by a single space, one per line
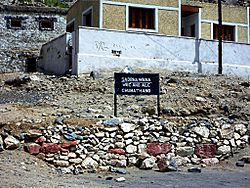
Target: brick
205 150
157 148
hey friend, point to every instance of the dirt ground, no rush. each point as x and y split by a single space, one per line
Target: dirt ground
37 104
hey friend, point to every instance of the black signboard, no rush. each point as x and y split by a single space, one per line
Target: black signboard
136 84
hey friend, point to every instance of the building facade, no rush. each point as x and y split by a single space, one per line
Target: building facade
23 30
172 17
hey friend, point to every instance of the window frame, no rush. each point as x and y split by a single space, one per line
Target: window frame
90 9
224 26
155 30
18 18
46 28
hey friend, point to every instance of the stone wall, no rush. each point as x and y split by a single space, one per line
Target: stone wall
16 44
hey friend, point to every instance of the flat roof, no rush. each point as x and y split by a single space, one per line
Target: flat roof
33 9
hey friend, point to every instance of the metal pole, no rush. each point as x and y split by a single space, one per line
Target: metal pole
220 38
158 105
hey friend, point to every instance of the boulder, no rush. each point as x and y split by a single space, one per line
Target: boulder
241 129
127 127
185 151
157 148
201 131
88 163
131 149
224 150
205 150
227 131
11 142
147 163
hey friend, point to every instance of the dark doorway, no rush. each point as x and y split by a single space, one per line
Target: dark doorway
31 64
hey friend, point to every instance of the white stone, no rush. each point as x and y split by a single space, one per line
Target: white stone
96 157
245 138
120 179
224 149
236 136
200 99
240 128
62 157
88 162
132 160
226 142
202 131
189 139
128 135
72 155
131 149
111 129
75 161
141 148
210 161
119 145
128 141
238 142
127 127
11 142
61 163
148 163
232 142
99 134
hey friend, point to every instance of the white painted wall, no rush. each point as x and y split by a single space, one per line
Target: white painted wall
94 52
54 57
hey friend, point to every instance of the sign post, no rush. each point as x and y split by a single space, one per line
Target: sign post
136 84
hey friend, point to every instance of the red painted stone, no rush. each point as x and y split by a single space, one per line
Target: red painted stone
205 150
41 139
69 144
50 148
117 151
157 148
34 148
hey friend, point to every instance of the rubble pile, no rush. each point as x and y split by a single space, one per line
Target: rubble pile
142 142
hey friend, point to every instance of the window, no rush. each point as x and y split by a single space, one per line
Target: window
46 24
228 32
70 27
15 23
141 18
190 21
87 17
